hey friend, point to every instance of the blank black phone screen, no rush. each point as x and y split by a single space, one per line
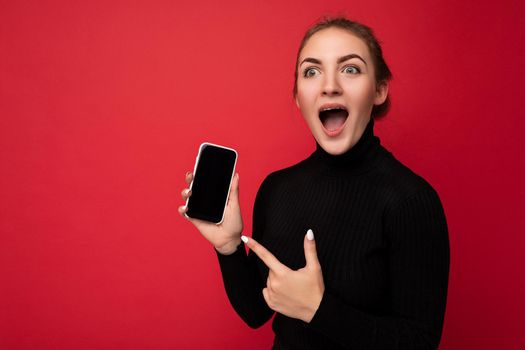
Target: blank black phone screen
211 183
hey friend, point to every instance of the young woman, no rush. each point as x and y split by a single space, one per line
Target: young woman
376 274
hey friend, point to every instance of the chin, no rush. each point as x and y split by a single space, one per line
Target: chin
335 148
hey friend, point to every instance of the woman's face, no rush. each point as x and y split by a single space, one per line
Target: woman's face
336 88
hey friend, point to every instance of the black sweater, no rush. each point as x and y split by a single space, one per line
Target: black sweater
382 242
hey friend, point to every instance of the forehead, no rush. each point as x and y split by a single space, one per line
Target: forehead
334 42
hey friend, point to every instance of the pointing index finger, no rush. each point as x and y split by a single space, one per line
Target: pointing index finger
268 258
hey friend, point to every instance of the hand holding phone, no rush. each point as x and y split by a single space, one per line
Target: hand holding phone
212 202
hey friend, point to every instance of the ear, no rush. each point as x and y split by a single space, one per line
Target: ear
381 93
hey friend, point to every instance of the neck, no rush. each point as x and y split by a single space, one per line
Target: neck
356 160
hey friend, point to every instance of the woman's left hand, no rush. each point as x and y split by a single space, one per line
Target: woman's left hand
296 294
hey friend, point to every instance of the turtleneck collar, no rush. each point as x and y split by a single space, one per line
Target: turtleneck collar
354 161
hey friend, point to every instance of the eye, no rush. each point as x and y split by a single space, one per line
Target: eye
351 70
310 72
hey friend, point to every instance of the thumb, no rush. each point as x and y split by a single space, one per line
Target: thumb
234 191
310 250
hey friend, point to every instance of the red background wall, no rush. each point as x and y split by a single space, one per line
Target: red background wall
103 106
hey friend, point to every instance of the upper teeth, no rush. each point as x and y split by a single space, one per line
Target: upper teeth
331 108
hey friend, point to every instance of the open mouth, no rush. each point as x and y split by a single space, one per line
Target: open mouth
333 118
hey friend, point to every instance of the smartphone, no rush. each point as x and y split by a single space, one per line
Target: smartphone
212 178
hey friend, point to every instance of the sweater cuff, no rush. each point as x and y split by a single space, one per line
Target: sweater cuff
233 258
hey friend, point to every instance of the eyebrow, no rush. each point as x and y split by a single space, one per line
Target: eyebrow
339 60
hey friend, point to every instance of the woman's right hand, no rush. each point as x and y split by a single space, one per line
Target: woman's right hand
226 236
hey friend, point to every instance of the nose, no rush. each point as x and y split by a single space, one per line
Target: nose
331 86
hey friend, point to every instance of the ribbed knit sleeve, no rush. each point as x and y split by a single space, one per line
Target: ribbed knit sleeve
418 268
242 280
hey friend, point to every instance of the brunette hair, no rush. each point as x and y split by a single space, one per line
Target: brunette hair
365 33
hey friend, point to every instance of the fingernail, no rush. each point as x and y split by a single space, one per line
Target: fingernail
244 239
186 191
310 235
188 173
